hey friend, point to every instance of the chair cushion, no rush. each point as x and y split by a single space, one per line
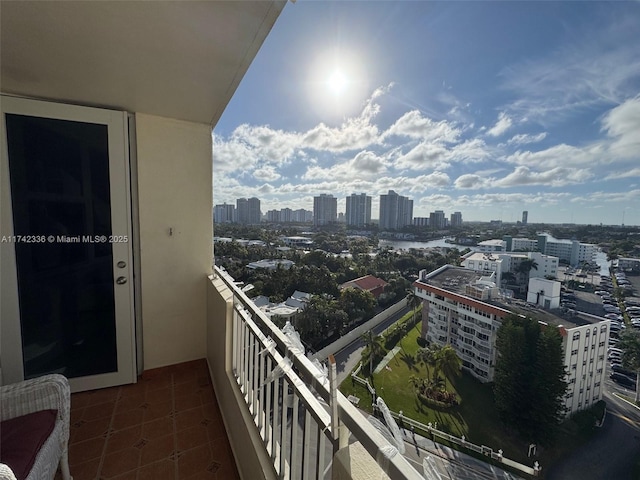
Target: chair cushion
21 439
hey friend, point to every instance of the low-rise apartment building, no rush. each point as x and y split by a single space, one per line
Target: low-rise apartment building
502 262
571 251
465 308
628 263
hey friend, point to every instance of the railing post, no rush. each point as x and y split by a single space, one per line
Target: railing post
340 433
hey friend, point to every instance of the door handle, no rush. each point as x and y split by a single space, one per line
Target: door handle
121 280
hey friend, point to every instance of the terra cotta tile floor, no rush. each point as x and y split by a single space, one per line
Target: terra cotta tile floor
166 426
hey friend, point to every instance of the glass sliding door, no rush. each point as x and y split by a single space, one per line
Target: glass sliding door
67 244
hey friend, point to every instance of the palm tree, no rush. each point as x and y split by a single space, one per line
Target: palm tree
427 356
417 383
507 277
413 301
630 345
448 361
525 268
373 347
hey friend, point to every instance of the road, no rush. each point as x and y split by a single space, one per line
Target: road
349 357
611 453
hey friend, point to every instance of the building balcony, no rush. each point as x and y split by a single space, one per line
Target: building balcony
167 425
282 418
255 408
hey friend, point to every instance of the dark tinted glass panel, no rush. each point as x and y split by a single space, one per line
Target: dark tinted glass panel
61 201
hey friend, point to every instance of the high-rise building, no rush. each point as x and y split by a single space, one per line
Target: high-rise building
325 209
248 211
396 211
437 219
358 212
224 213
286 215
456 219
525 217
302 216
273 216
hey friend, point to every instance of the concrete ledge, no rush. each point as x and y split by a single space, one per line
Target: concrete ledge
249 453
355 463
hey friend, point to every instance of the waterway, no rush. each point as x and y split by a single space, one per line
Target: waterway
406 245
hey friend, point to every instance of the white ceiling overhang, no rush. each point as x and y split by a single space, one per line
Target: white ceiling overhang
177 59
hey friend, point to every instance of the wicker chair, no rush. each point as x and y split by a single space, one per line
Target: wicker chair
49 392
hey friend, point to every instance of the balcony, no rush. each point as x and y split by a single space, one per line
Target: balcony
274 400
168 425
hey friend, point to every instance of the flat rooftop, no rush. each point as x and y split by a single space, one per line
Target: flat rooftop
455 280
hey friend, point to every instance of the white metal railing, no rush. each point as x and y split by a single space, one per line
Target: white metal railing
290 401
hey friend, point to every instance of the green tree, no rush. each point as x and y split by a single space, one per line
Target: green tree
525 267
507 278
413 301
630 345
529 378
321 318
373 350
547 411
427 356
448 362
512 365
358 304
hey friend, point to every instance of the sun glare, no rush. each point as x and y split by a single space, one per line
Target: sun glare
337 82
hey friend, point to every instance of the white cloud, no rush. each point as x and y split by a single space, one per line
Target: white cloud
562 154
502 125
498 199
634 172
471 181
365 165
599 69
473 150
555 177
526 138
352 135
266 173
433 180
423 156
267 144
413 125
231 156
623 125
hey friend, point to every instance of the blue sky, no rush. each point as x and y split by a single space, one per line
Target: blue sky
487 108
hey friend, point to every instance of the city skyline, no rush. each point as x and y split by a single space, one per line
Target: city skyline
485 108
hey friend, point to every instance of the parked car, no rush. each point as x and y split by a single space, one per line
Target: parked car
623 380
623 371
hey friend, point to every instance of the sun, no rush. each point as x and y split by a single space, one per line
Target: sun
337 83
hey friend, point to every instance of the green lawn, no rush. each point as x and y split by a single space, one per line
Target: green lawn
475 417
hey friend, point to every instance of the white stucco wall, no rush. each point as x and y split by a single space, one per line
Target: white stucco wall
176 236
